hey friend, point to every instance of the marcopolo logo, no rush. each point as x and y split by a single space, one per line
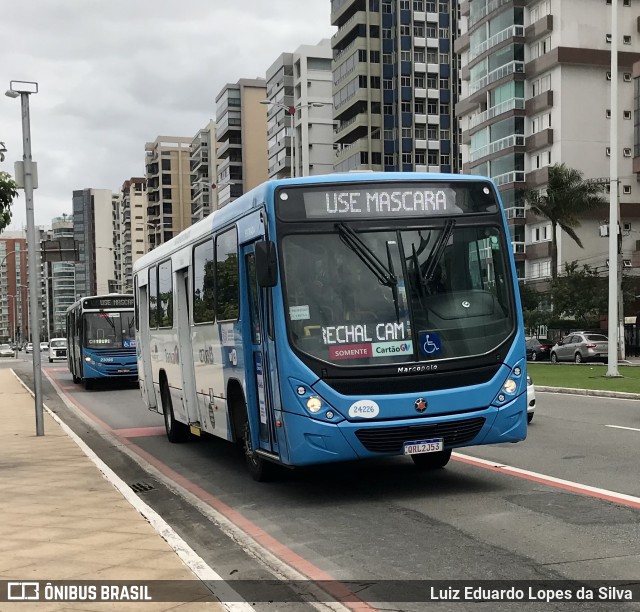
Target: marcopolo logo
384 349
364 409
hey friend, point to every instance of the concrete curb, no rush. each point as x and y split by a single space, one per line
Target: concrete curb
590 392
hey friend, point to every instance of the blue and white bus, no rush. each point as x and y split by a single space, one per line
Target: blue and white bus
338 317
101 341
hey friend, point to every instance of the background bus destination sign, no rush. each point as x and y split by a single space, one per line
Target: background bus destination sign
108 302
353 201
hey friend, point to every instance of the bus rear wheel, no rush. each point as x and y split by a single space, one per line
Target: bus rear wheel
432 461
176 432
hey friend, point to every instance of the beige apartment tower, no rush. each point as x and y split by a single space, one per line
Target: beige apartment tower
168 176
241 122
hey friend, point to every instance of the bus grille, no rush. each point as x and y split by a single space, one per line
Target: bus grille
391 439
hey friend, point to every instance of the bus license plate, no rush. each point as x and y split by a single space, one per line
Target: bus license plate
423 446
123 371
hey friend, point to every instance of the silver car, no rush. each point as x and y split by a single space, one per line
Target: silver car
6 351
581 347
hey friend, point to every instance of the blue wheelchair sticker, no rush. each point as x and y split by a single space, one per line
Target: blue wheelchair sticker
430 343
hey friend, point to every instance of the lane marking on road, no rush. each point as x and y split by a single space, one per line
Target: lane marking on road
139 432
552 481
220 588
263 547
621 427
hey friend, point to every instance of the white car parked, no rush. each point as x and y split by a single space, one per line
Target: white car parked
531 399
57 349
6 351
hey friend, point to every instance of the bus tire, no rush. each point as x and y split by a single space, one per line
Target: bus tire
76 379
260 469
432 461
176 432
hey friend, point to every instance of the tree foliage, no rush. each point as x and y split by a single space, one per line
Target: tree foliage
566 198
8 193
580 293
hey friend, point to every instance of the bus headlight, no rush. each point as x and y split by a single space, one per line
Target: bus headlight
510 386
89 360
314 404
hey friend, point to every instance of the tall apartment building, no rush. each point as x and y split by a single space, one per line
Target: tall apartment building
241 124
395 85
60 278
14 293
300 82
115 283
93 230
168 178
535 92
204 170
130 230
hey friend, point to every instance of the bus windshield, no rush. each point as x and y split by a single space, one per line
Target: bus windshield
109 330
365 297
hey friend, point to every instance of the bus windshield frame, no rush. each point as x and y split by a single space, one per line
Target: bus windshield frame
108 329
426 289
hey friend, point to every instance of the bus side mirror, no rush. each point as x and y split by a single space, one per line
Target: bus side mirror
266 263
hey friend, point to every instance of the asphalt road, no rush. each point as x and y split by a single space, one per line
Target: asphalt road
384 519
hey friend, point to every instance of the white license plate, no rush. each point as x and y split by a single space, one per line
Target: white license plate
424 446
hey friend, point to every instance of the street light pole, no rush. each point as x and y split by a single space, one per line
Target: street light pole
614 259
24 89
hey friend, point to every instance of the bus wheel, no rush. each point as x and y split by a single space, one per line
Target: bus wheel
176 432
432 461
76 379
261 469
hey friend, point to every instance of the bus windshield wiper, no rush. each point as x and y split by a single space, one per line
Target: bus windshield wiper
350 238
394 287
437 250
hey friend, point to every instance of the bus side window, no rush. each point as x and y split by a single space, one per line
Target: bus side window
203 283
136 303
153 298
165 295
227 287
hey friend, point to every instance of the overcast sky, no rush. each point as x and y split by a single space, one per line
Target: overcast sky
114 74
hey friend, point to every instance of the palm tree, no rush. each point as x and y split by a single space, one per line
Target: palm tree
567 197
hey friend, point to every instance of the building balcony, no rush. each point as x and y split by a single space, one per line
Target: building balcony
348 27
539 140
486 10
539 250
538 178
515 176
227 146
515 140
539 103
513 67
496 39
495 111
515 212
356 127
540 28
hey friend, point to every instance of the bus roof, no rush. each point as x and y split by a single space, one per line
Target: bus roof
255 197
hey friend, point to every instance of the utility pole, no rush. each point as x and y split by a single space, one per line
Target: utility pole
26 176
614 259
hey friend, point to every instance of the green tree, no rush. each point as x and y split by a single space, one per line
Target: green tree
580 294
566 198
8 193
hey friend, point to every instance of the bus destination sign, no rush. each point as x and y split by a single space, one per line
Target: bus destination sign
367 201
102 303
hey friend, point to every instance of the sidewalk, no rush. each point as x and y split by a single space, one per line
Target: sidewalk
61 519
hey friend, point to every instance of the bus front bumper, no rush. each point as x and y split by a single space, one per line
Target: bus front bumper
101 370
312 441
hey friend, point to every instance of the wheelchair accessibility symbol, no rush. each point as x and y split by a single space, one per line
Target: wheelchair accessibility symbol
430 343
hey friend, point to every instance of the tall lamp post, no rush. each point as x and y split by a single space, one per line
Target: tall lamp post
23 89
291 111
614 259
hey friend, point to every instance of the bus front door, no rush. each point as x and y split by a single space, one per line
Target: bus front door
260 370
